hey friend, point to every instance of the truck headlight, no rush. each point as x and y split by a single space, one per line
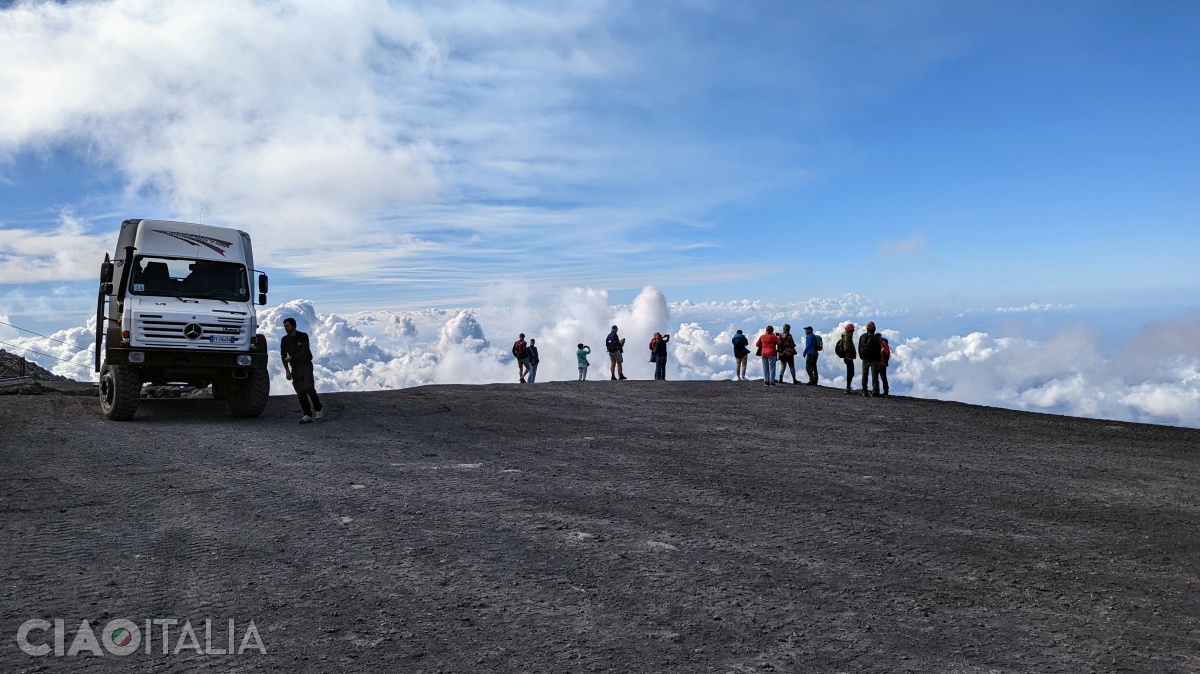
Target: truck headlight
137 357
243 360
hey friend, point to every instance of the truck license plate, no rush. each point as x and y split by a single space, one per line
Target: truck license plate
224 339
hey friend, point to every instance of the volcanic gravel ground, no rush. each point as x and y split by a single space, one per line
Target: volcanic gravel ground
602 526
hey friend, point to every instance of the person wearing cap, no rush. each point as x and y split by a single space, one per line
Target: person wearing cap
615 346
810 355
846 351
787 353
870 350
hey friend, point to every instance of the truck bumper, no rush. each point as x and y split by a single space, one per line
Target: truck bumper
185 359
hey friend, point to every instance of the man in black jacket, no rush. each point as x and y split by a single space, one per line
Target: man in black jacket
298 366
870 350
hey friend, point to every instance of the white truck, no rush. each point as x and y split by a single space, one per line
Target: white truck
175 306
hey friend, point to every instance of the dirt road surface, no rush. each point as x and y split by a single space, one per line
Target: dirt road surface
600 527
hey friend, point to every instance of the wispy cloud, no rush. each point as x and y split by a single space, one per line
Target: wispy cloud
66 252
1034 306
911 247
364 140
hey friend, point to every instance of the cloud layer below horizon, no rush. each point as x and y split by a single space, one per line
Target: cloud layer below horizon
1153 377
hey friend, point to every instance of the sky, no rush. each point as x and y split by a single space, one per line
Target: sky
1022 171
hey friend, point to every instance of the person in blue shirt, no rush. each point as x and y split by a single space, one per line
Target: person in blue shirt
810 355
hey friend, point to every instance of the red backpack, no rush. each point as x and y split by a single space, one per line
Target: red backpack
519 348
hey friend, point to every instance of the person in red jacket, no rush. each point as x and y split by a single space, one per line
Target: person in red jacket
768 348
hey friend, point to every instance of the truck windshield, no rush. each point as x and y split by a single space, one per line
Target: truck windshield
176 277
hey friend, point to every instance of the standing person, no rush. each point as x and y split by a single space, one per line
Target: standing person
787 353
533 360
296 349
768 346
885 356
810 355
659 349
741 349
581 355
845 350
616 347
870 351
520 351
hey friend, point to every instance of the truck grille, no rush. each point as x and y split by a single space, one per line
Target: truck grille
208 332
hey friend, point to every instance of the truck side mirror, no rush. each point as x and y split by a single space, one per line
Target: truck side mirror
262 298
106 288
262 284
106 272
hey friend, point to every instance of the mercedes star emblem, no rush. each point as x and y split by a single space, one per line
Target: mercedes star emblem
192 331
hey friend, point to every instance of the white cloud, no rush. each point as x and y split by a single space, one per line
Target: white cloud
1034 306
66 252
285 125
445 145
403 327
910 247
1154 378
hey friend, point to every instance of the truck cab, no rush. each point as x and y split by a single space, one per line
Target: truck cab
176 305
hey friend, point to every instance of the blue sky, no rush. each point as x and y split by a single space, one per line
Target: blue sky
933 156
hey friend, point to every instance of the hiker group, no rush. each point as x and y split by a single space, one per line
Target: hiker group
777 350
874 352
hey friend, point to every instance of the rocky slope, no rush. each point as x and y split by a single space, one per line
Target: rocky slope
606 526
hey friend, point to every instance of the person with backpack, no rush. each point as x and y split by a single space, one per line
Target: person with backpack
520 351
615 346
658 353
581 356
533 360
812 345
884 358
768 348
845 350
741 351
787 353
870 350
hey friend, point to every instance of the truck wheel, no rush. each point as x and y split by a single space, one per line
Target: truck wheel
120 389
248 397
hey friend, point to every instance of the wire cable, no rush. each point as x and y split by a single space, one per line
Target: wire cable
26 348
44 336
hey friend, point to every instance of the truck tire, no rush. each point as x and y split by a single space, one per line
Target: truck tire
248 397
120 389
